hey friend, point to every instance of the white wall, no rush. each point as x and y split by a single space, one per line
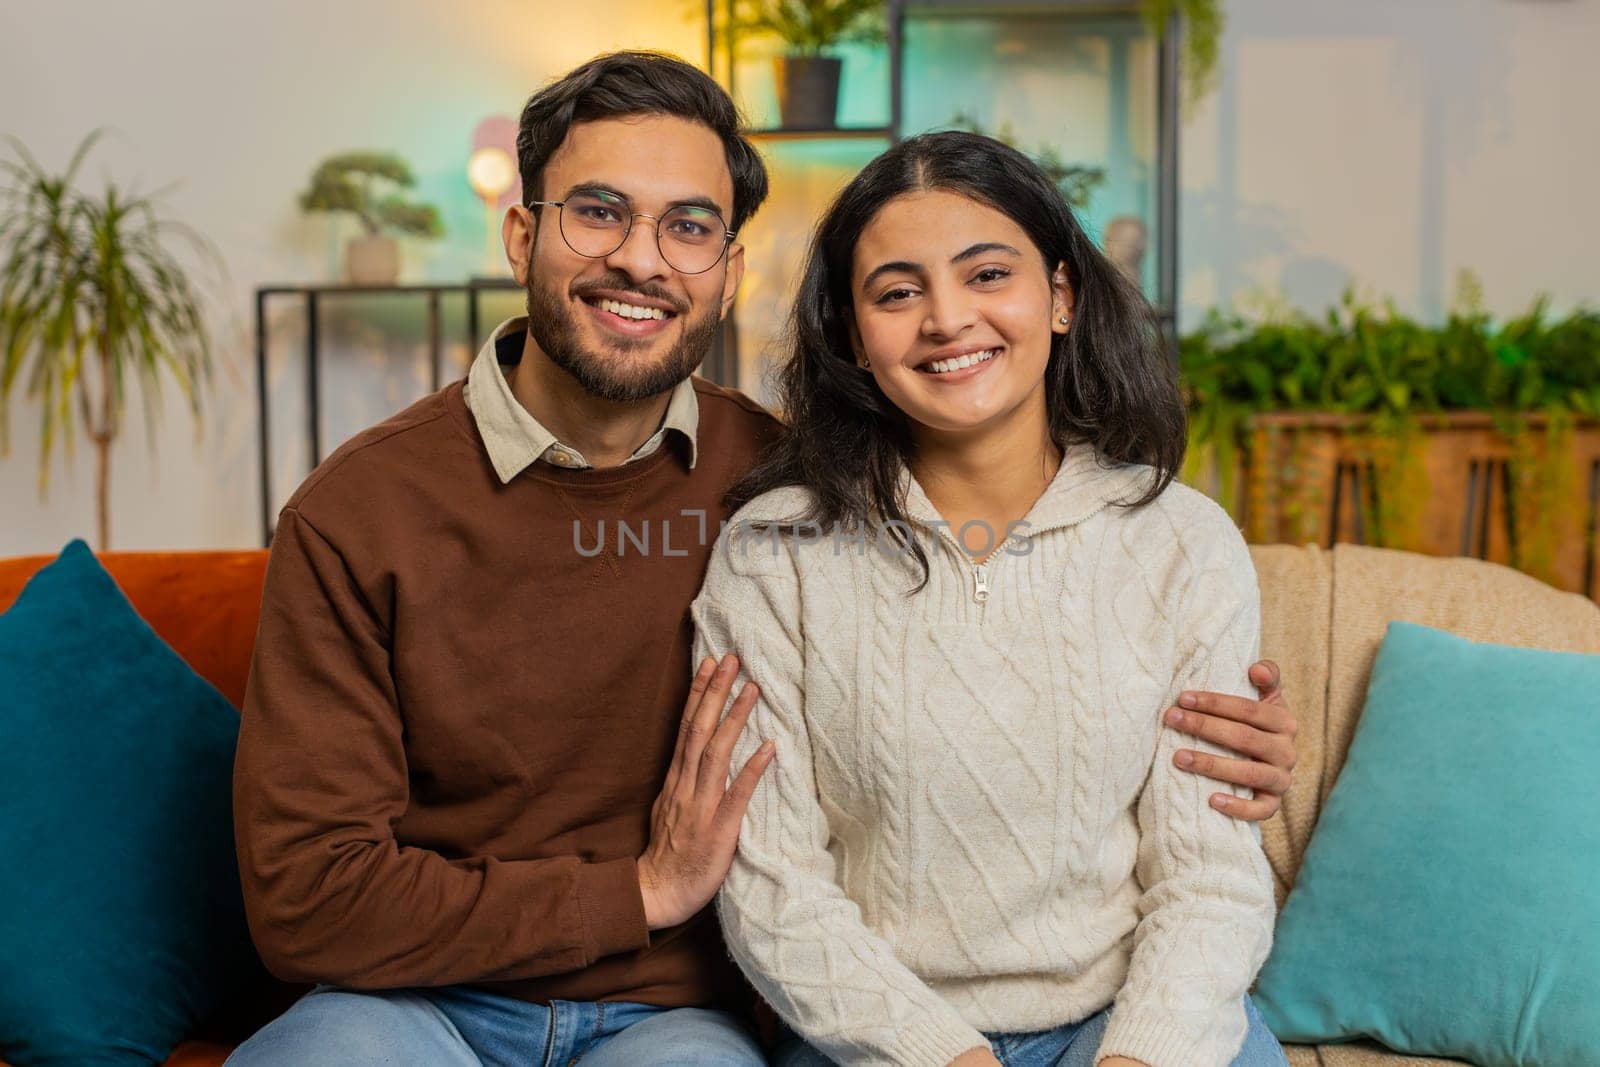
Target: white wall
1391 144
1385 142
240 101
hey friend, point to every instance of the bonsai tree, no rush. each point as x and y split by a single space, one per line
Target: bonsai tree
368 185
92 297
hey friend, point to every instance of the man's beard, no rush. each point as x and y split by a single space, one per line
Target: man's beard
607 376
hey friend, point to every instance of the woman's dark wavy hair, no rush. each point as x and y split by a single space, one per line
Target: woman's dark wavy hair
1109 381
622 84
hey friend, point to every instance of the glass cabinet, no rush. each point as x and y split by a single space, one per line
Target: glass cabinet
1080 86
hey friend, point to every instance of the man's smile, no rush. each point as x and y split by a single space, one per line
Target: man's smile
629 314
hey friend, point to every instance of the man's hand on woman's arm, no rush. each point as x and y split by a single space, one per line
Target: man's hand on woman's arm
694 825
1262 731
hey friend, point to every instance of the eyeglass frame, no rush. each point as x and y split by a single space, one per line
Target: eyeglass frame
727 234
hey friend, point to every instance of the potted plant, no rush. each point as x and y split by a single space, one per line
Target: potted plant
369 186
93 297
808 80
1471 437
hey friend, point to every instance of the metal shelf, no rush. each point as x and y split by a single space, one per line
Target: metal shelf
1165 222
313 295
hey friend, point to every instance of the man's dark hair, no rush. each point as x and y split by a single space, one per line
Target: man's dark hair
623 84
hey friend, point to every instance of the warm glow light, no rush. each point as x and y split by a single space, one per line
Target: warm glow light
491 171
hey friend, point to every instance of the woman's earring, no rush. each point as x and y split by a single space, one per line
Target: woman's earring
1065 320
866 364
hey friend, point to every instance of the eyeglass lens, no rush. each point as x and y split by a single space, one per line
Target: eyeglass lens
690 238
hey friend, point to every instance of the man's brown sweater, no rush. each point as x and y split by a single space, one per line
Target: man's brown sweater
460 713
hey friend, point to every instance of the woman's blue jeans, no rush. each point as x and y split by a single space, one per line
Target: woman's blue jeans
1072 1045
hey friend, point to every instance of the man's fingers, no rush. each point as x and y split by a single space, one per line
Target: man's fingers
1258 810
1262 777
1238 738
737 798
718 753
701 723
1258 713
697 689
1266 677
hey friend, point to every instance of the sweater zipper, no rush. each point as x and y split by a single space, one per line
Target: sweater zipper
980 571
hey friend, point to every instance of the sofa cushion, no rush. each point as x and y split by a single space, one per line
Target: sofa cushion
1445 904
1477 600
121 923
1358 1054
204 604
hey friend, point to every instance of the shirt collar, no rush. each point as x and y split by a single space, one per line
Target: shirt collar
515 439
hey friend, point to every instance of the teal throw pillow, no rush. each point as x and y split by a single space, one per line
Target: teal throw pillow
1449 902
121 923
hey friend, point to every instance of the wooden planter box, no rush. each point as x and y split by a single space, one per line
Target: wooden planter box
1458 488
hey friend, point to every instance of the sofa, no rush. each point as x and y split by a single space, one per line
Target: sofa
1323 616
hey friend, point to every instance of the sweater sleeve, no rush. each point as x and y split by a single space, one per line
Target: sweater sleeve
799 939
320 780
1206 914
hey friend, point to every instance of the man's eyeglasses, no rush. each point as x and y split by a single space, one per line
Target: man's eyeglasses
595 224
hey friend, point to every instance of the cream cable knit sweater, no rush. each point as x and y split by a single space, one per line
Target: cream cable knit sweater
973 823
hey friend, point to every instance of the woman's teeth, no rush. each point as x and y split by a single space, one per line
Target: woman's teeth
630 311
944 366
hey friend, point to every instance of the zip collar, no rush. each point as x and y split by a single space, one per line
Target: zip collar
1082 487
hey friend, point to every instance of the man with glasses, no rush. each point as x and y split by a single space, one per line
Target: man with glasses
479 799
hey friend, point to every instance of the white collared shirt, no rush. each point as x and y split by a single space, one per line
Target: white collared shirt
515 439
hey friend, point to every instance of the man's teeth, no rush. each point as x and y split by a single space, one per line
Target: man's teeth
943 366
631 311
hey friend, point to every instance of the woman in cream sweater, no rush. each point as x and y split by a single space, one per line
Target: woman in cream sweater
968 587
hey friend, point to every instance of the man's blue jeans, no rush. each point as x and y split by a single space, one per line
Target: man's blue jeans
453 1026
1072 1045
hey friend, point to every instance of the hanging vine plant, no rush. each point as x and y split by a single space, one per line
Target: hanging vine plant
1202 22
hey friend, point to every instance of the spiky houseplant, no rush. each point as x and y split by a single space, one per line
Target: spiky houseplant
92 297
808 78
811 27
